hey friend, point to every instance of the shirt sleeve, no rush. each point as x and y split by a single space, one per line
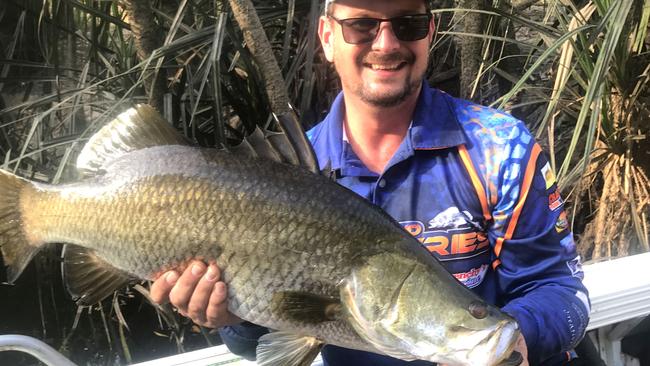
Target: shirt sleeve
242 339
538 269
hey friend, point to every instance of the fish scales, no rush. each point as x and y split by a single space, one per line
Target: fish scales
149 213
299 253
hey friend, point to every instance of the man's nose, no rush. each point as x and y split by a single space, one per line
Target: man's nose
386 39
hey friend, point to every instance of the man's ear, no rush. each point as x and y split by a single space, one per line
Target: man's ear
326 36
432 29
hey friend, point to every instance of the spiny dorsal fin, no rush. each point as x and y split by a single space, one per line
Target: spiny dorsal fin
287 349
290 146
89 278
328 172
256 144
263 148
282 146
137 128
307 307
298 140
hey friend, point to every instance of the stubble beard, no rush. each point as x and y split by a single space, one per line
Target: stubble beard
387 99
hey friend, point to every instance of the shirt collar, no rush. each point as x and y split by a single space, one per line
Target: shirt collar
434 126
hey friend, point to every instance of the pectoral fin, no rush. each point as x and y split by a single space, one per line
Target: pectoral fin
88 277
307 307
287 349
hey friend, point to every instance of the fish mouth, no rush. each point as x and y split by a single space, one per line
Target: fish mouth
507 339
490 346
498 345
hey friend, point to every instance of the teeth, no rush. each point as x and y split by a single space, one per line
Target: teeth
384 67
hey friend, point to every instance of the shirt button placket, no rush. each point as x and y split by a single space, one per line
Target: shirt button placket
376 194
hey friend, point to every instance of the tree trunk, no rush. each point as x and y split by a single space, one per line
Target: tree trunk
471 47
260 48
148 37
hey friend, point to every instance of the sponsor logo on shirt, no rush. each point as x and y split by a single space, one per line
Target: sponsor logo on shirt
450 235
414 228
562 222
555 200
473 277
461 244
451 218
549 176
575 266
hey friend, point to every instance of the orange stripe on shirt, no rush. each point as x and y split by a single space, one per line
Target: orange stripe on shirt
478 186
525 188
496 263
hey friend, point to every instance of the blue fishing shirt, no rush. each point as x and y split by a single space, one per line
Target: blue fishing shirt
473 186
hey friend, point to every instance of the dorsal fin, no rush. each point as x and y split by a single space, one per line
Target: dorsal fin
298 140
283 147
142 126
290 146
263 148
257 144
137 128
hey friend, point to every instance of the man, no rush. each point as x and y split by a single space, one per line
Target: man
469 182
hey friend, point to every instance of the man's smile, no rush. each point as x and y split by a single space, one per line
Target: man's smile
386 67
387 63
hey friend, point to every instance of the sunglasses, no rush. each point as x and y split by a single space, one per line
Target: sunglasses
407 28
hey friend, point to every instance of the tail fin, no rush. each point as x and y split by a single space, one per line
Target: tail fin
16 248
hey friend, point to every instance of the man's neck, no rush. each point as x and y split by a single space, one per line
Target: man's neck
375 133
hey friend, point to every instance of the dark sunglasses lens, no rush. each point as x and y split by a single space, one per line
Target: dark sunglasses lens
411 27
359 30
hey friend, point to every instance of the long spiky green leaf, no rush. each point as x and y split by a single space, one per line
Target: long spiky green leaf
540 61
596 85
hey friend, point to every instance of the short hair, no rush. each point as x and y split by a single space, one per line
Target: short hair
328 5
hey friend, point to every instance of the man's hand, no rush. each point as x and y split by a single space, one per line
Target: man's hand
521 347
198 294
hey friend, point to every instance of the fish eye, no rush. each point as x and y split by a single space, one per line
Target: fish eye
478 309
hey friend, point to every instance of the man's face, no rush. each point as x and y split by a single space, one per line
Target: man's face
382 72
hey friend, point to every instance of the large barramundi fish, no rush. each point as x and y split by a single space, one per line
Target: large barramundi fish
299 253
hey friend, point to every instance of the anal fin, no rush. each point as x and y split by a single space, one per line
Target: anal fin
88 278
287 349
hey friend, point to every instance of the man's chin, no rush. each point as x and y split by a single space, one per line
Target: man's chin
386 98
384 101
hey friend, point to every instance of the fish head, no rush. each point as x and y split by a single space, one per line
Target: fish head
413 310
